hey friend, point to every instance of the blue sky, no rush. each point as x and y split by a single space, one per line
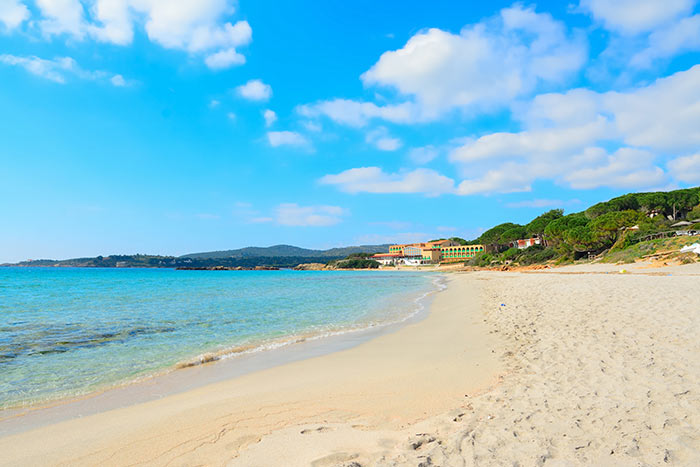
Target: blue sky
168 127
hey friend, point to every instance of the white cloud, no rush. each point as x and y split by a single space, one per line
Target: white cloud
563 134
255 90
286 138
374 180
270 117
13 13
507 178
291 214
358 114
224 59
118 80
686 168
664 116
681 36
636 16
196 27
62 16
214 103
311 126
487 64
552 142
381 139
58 69
231 116
424 154
626 168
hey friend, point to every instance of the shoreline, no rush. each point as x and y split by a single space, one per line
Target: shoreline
207 368
581 367
361 383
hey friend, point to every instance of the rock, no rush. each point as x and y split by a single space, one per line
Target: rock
310 267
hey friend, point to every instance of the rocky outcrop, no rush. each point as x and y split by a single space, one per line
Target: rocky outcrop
311 267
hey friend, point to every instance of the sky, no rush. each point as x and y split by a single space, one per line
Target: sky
180 126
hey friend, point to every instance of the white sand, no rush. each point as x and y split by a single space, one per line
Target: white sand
591 369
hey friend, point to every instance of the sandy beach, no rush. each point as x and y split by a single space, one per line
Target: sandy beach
572 366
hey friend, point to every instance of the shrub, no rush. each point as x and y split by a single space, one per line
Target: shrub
358 263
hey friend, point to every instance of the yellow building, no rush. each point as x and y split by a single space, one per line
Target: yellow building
440 251
453 254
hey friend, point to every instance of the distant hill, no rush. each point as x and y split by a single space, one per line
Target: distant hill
283 251
283 256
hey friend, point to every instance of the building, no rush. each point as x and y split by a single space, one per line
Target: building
525 243
454 254
439 251
386 259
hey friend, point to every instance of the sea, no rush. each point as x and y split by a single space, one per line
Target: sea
66 332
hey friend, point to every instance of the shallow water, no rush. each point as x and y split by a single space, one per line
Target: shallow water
65 332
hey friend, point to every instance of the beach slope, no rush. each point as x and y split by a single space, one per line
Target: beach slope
351 404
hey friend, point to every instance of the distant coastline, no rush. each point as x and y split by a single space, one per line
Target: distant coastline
274 257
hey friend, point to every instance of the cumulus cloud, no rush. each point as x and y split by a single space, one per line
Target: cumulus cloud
270 117
118 80
564 134
664 115
686 168
196 27
291 214
255 90
294 215
375 180
626 168
636 16
484 66
286 138
681 36
58 69
12 13
224 59
358 114
424 154
381 139
551 142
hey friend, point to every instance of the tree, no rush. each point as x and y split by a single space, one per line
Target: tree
493 235
514 233
581 238
556 230
694 213
606 227
540 223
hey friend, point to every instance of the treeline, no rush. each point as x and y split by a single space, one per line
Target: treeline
602 226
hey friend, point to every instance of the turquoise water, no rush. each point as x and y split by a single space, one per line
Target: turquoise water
65 332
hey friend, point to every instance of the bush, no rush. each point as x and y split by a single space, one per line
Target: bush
481 260
694 213
510 254
357 263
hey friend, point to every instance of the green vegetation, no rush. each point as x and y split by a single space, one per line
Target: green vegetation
616 227
355 261
643 249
